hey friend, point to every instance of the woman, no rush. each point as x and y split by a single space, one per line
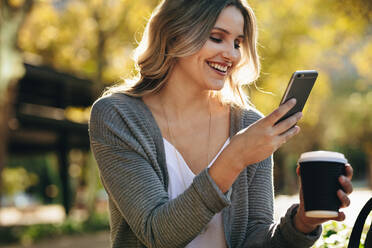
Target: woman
185 160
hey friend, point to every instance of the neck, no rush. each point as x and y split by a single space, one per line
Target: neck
182 104
183 99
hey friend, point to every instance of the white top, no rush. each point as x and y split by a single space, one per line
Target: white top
180 176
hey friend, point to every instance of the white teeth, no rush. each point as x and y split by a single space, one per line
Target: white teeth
219 67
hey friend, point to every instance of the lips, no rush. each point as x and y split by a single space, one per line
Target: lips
220 67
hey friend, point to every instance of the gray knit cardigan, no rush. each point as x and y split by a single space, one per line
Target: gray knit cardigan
129 149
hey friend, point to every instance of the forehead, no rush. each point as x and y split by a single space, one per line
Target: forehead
231 19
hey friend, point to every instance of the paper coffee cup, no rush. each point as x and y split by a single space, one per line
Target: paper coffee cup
320 171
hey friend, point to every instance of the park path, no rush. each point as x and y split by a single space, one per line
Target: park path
96 240
101 239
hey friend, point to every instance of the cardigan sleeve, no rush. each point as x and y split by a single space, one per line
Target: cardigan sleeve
136 189
262 230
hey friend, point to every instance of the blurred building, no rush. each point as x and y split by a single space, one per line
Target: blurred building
42 122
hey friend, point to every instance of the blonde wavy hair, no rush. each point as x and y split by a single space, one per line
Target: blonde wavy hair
179 28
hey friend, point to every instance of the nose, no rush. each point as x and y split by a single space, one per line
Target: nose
231 53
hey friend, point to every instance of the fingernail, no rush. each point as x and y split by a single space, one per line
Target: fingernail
293 101
342 179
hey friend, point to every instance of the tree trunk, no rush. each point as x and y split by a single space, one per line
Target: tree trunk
6 114
369 171
12 16
100 53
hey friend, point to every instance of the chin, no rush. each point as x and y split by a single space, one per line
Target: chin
216 85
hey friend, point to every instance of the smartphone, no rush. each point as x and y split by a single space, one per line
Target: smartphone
299 87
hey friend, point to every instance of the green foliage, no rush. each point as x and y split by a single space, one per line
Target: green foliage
16 180
11 19
36 174
292 35
31 234
331 36
100 44
337 234
335 39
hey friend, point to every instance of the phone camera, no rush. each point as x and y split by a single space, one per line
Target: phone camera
300 75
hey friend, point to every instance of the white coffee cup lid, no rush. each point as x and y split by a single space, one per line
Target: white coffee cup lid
323 156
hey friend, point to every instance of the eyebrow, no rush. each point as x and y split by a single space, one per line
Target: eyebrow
227 32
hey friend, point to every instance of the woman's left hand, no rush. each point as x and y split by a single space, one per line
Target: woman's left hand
307 224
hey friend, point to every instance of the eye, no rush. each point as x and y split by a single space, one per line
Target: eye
214 39
237 44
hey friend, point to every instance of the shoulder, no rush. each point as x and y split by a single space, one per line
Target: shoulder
118 106
114 101
119 114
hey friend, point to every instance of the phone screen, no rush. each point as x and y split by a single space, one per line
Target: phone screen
299 87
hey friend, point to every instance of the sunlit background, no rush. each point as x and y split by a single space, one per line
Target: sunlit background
67 51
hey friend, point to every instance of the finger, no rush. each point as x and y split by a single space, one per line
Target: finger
346 184
286 124
345 201
341 217
349 171
280 111
284 137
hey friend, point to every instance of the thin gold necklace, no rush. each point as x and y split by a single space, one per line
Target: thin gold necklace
172 140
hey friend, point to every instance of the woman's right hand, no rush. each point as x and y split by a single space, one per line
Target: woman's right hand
259 140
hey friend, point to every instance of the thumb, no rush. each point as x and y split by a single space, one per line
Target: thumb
298 170
300 186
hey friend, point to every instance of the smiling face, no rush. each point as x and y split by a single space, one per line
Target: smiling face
214 62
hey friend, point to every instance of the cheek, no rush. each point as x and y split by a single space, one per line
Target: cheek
210 49
238 56
237 59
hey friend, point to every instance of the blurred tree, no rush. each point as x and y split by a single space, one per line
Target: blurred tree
12 16
362 8
39 174
331 36
321 35
17 180
353 128
100 44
